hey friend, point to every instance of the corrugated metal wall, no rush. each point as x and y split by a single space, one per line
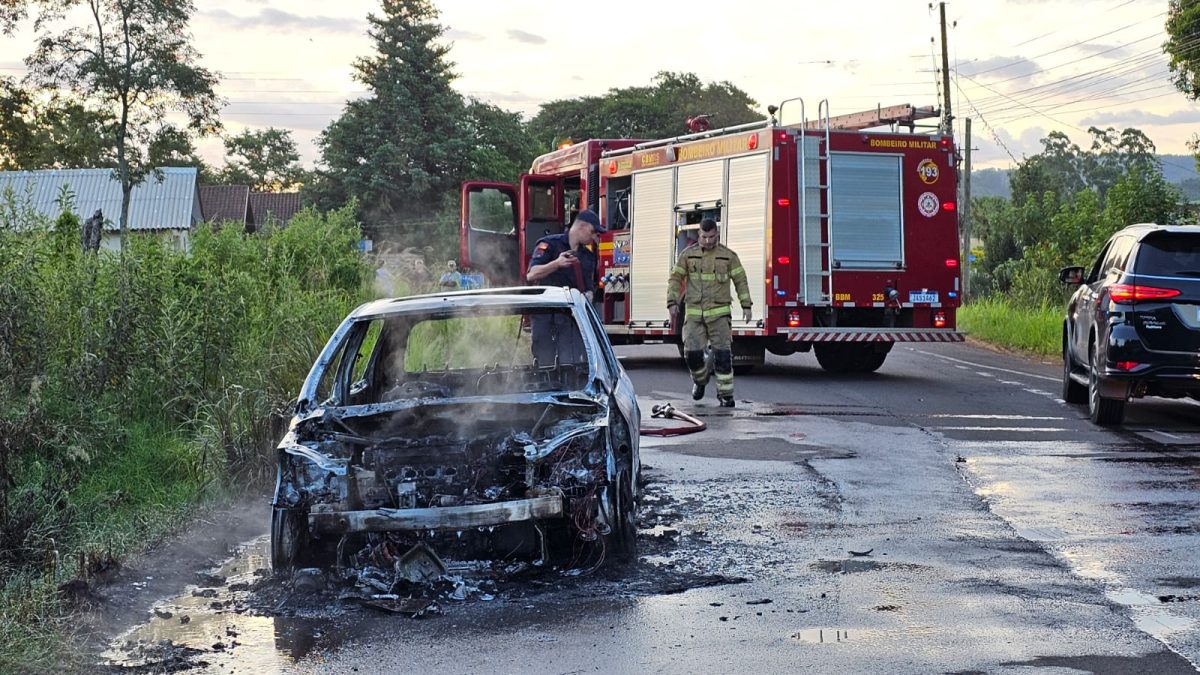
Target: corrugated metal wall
172 203
653 238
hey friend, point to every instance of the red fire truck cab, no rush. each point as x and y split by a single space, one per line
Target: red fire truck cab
849 236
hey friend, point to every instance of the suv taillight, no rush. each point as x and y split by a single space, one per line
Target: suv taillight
1124 293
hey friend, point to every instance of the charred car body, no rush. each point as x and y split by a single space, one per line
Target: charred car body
427 421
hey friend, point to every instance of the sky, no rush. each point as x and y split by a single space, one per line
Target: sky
1020 68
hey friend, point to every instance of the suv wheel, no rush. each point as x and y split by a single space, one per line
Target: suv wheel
1104 411
1072 391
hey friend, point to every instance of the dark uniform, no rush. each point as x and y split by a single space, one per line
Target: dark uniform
556 335
702 278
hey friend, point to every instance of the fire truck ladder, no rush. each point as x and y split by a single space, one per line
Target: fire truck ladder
816 281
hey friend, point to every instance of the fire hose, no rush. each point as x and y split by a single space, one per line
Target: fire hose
667 411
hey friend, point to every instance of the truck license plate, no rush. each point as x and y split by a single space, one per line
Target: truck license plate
927 296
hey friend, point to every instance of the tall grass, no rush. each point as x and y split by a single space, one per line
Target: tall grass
1002 322
135 387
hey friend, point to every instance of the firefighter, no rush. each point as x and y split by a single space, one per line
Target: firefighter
708 267
565 259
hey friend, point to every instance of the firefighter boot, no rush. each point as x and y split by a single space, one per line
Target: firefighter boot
724 367
699 370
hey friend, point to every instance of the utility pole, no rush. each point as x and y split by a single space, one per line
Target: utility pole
965 212
947 117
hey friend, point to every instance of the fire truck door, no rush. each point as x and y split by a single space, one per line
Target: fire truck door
541 211
488 234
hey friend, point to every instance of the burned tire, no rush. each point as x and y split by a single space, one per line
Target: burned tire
289 535
1102 410
621 542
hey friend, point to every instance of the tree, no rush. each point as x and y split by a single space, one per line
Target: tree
659 110
134 60
172 146
1183 31
501 147
51 133
266 160
400 150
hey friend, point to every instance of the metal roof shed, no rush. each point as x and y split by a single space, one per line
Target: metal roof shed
168 204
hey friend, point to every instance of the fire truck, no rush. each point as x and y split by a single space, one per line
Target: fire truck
847 228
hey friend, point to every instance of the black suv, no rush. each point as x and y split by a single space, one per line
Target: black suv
1133 327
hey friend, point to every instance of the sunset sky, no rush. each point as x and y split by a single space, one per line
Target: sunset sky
1021 68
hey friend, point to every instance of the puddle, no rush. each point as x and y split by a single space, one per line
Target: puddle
203 626
1148 614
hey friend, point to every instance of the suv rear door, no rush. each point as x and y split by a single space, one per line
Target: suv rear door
1169 261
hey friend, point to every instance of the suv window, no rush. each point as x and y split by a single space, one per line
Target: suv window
1169 254
1118 255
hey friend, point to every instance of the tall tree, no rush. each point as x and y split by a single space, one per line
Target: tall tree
133 59
400 150
659 110
266 160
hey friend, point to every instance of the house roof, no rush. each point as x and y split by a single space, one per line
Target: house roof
171 203
221 203
278 206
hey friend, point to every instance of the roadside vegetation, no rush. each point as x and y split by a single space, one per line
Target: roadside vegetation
1066 202
135 388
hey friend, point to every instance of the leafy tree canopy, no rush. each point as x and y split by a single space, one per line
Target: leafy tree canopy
266 160
659 110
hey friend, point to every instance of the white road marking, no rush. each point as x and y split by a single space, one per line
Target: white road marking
1037 429
983 374
997 417
980 365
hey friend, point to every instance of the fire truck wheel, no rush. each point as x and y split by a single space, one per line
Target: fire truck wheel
831 356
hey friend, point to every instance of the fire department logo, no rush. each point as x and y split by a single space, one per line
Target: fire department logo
928 171
928 204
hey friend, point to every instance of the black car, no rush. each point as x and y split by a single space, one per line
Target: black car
1133 327
431 423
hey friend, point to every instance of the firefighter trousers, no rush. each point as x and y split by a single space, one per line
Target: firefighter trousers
700 332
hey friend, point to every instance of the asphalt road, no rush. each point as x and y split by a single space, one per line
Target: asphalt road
1002 533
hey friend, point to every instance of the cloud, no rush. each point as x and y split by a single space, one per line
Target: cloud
274 20
1113 52
527 38
999 68
1133 118
464 35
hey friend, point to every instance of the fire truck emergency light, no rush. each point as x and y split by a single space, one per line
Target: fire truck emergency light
783 201
783 260
948 206
939 319
951 262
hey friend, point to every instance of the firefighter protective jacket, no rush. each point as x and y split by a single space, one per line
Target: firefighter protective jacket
708 274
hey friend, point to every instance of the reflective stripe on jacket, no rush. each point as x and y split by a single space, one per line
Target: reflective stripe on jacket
707 275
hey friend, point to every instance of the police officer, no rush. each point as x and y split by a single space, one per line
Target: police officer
564 259
708 267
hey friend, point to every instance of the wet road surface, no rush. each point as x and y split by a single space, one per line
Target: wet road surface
947 514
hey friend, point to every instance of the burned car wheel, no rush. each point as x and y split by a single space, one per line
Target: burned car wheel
621 542
288 536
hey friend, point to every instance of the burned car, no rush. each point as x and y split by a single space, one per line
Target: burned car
486 424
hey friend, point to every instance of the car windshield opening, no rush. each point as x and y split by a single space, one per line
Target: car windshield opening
467 354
